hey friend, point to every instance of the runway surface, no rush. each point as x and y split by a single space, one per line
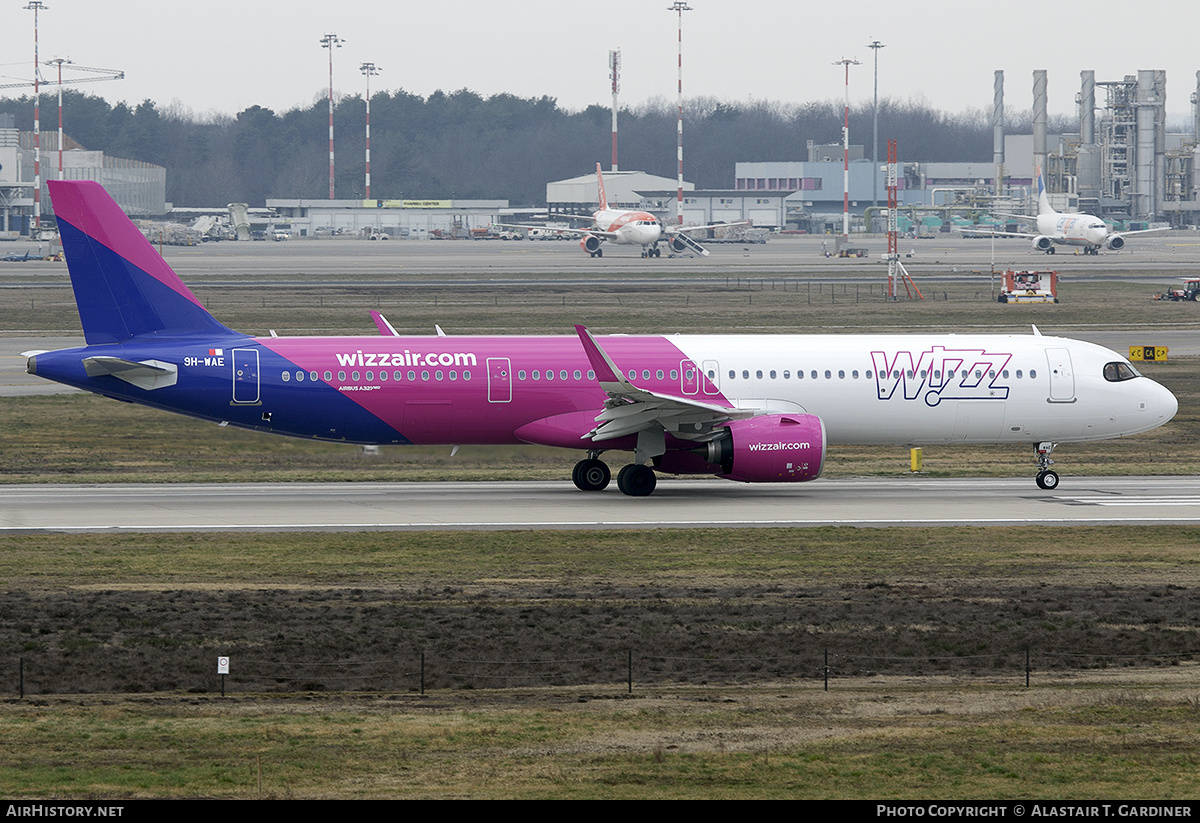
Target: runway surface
558 505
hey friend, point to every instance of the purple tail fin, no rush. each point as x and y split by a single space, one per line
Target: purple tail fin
123 287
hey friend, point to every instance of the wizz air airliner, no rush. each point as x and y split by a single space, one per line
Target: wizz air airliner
750 408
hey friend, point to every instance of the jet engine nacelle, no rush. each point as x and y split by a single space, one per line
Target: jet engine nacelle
771 448
1042 243
678 244
590 244
1115 242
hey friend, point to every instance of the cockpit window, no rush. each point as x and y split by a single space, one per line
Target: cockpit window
1116 372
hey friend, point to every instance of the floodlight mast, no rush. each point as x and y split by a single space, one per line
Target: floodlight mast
614 65
369 69
331 41
35 6
847 62
875 46
679 6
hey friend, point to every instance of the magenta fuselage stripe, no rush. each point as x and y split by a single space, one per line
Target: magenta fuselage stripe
496 400
95 214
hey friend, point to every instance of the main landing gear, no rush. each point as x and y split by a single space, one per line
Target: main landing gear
654 251
1046 477
593 475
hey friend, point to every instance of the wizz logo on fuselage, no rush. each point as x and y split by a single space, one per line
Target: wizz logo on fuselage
941 374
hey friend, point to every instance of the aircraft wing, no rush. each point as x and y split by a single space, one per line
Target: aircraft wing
1139 231
998 233
629 410
684 229
607 235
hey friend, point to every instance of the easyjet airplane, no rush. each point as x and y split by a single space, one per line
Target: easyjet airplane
628 227
1056 228
751 408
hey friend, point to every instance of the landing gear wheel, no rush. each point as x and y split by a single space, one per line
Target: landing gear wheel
636 481
591 475
599 252
1047 480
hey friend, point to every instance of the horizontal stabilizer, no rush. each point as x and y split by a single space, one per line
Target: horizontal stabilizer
148 374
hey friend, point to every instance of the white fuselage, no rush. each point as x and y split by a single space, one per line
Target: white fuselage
1073 229
636 228
936 388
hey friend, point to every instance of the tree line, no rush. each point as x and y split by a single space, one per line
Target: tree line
463 145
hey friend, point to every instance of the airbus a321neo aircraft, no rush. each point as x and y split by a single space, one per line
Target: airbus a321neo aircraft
740 407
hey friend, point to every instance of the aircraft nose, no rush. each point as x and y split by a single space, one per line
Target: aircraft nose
1162 403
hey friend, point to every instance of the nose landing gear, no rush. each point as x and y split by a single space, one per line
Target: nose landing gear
1046 477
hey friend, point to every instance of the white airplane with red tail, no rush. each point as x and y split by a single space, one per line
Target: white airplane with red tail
631 227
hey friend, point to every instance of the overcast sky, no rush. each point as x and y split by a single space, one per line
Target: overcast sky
225 55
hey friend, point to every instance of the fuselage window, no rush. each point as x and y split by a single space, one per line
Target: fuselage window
549 374
370 376
745 374
454 375
312 375
633 374
437 375
813 374
287 375
299 377
398 375
787 375
731 374
868 373
658 374
854 374
591 375
562 374
1018 374
578 374
799 374
758 374
412 375
466 375
1004 374
424 374
712 374
645 374
1118 372
383 376
828 374
1032 374
841 374
674 374
342 376
328 375
772 374
520 375
537 374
